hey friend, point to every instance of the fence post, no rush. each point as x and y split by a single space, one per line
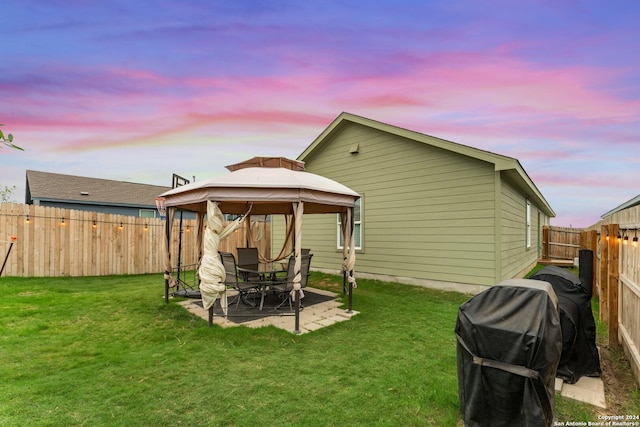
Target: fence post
605 241
594 248
545 242
614 258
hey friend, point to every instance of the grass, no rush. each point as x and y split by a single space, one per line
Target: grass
96 351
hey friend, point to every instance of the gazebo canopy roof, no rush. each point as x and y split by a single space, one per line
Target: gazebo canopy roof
268 189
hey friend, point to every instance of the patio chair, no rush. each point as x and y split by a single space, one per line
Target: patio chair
235 280
248 264
284 286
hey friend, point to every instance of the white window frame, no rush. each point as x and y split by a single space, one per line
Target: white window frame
357 224
148 211
528 225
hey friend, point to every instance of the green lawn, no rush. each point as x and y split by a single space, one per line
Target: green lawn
107 351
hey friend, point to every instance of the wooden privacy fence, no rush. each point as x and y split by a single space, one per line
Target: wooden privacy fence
560 243
55 242
616 273
619 281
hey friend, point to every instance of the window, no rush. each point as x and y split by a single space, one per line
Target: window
147 213
357 225
528 224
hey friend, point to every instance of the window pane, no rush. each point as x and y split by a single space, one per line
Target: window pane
147 213
528 225
357 219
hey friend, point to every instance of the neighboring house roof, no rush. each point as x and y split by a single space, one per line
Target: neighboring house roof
626 205
510 167
55 187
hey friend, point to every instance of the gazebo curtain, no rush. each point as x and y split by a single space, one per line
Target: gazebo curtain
287 247
348 246
211 271
170 281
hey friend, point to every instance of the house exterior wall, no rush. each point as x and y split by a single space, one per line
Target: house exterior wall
428 213
110 209
516 258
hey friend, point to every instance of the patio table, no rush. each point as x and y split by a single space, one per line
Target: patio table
266 273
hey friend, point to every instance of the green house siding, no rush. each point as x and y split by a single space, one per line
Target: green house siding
434 212
428 213
515 256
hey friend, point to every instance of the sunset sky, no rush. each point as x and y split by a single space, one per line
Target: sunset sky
139 90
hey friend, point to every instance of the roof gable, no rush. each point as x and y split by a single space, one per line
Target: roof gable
511 167
79 189
501 162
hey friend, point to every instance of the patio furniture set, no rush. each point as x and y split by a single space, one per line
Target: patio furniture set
253 279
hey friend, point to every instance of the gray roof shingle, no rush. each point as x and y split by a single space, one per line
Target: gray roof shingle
80 189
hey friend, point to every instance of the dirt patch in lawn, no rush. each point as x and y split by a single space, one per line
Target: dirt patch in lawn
620 386
330 285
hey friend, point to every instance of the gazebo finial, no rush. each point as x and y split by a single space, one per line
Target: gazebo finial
268 162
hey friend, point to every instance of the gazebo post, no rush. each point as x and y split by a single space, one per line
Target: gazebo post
298 211
13 239
167 231
350 272
210 316
350 309
297 324
344 282
180 232
162 210
345 253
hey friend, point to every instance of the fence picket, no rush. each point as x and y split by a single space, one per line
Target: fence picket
619 282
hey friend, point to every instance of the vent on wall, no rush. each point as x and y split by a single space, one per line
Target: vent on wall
84 193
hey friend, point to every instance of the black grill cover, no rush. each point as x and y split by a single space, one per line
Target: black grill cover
579 352
509 345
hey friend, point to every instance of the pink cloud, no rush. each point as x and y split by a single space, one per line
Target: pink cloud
499 90
487 101
141 75
189 125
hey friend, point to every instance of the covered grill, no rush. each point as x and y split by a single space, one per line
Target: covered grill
579 352
509 344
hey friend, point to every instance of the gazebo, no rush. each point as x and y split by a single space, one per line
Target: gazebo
258 186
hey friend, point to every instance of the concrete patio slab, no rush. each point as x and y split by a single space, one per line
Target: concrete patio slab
312 318
587 389
558 385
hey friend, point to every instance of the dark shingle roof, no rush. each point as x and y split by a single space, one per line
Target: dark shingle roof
80 189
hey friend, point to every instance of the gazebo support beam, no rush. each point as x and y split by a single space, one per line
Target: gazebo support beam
297 324
344 282
167 260
298 212
349 274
